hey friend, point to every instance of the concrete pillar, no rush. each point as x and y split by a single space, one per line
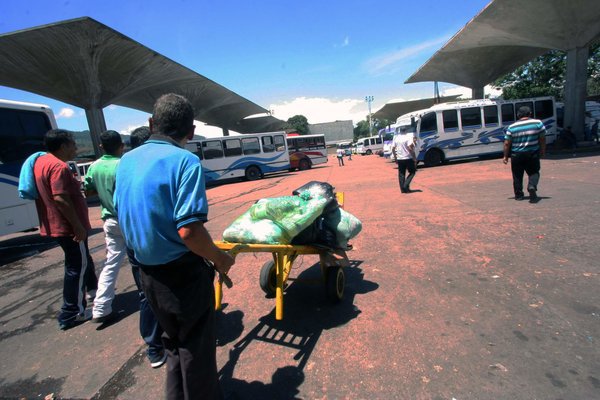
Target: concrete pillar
575 90
225 131
477 93
97 124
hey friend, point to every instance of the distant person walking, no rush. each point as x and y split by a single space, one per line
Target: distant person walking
63 215
162 206
404 149
340 157
525 143
100 179
150 329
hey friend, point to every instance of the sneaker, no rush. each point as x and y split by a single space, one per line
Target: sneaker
519 196
157 360
73 322
104 318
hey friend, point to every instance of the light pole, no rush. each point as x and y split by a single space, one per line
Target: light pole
369 100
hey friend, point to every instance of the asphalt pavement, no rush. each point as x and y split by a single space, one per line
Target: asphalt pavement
455 291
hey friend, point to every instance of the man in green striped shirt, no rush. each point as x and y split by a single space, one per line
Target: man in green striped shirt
525 142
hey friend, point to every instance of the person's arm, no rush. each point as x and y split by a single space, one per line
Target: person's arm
67 209
197 239
543 144
507 145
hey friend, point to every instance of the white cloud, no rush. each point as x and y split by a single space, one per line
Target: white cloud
318 110
387 61
65 113
346 41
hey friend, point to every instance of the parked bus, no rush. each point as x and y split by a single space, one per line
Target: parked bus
387 134
22 130
369 145
471 128
306 151
241 156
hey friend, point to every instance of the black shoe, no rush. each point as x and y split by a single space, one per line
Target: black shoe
157 360
533 197
519 196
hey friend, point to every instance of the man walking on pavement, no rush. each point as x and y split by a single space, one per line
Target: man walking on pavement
525 143
63 214
404 149
162 206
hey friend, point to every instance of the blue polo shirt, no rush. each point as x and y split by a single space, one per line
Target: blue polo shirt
159 189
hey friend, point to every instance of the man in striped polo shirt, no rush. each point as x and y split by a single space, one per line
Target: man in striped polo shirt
525 142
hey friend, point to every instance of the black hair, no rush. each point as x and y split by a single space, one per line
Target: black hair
55 138
111 142
523 112
139 136
172 116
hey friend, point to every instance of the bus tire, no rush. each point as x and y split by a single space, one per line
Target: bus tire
304 164
433 158
369 152
253 173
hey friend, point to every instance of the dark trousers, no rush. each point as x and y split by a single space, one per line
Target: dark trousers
181 293
80 276
340 161
520 163
150 330
403 180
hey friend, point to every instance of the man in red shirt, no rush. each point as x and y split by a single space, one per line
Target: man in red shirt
63 215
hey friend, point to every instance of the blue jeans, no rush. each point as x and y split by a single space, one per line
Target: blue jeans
80 276
150 330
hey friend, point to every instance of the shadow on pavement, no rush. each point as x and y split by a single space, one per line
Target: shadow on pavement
307 313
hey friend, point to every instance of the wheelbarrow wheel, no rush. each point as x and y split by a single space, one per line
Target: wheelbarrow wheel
268 278
334 283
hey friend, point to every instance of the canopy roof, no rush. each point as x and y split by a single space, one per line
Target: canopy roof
89 65
507 34
391 111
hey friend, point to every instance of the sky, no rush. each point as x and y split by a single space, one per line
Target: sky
317 58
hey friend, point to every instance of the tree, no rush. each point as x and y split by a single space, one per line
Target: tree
545 76
361 130
298 123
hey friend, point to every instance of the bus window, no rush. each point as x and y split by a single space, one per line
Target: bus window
490 115
377 140
429 123
267 144
560 115
232 147
543 109
470 117
508 114
524 103
212 149
250 146
21 133
450 120
279 142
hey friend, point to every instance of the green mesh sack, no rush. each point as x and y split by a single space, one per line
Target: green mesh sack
345 225
290 214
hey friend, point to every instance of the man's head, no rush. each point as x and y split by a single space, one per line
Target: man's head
173 116
523 112
139 136
61 143
111 143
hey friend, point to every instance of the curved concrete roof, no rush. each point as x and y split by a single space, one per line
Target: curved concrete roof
89 65
507 34
391 111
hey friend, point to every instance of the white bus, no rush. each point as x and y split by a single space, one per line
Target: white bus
22 130
248 156
369 145
471 128
306 151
